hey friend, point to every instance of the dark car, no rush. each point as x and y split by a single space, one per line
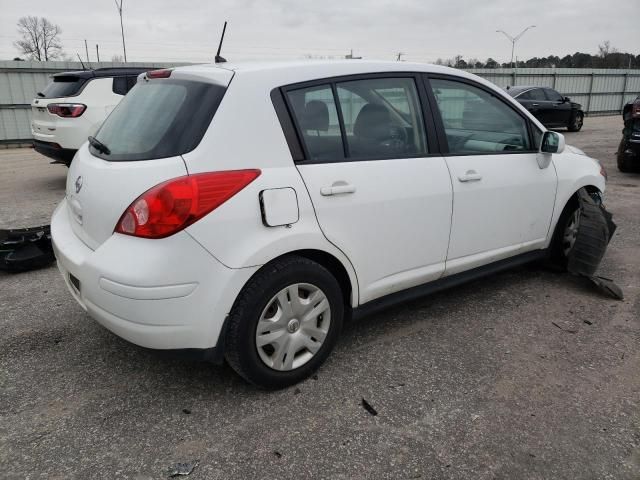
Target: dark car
548 106
629 149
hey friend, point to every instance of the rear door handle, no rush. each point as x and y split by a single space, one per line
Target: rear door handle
470 176
534 104
338 188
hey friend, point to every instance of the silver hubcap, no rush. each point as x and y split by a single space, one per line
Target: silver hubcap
571 232
293 326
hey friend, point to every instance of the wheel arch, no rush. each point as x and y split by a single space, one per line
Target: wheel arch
568 201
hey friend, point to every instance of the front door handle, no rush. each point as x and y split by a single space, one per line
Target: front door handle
338 188
470 176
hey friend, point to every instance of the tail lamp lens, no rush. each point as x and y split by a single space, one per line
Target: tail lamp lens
164 73
635 109
67 110
175 204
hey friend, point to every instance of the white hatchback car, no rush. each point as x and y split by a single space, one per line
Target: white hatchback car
74 105
244 211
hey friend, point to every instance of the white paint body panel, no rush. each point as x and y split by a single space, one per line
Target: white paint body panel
390 234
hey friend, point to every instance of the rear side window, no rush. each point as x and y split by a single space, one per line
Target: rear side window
377 118
317 118
475 121
158 119
63 86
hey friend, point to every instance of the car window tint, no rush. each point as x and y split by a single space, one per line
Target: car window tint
159 119
63 86
553 95
475 121
536 94
119 85
317 118
382 118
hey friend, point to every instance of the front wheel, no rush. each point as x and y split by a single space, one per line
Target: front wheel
284 323
577 123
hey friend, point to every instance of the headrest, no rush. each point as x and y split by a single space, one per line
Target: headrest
373 121
316 116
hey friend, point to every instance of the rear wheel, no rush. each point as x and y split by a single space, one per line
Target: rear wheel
623 160
284 323
577 123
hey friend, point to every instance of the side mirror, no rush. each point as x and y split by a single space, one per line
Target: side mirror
552 142
566 99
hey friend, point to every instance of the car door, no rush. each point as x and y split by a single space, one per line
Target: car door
379 193
537 103
503 201
559 110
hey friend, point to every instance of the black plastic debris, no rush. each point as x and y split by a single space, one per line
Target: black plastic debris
367 406
25 249
596 228
180 469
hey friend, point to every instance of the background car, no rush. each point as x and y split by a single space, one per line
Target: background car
72 107
628 154
548 106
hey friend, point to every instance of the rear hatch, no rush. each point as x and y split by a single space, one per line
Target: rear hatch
139 146
61 89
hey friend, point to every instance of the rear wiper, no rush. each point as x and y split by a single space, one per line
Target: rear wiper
40 94
98 145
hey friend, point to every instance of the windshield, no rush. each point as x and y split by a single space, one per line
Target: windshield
158 119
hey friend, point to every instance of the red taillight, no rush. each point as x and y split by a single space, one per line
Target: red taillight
635 109
164 73
175 204
67 110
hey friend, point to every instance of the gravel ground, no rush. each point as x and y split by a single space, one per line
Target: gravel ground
526 374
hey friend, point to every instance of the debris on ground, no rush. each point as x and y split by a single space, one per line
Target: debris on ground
607 286
568 330
25 248
367 406
180 469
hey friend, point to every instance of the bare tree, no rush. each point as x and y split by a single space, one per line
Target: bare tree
117 58
606 49
39 38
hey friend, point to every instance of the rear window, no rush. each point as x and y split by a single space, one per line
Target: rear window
63 86
158 119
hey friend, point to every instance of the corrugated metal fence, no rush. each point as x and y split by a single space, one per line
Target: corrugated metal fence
600 92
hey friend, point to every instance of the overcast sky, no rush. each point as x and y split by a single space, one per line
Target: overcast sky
424 30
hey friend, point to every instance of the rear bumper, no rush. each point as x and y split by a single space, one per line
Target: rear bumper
54 151
167 294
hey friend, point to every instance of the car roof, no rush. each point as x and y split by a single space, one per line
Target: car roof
104 72
278 73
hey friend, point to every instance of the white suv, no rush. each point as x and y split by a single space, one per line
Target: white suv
244 211
74 105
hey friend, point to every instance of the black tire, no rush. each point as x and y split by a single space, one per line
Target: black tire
557 257
240 344
578 121
624 165
590 242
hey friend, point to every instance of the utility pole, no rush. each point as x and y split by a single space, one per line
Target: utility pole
97 53
124 48
86 49
400 54
513 40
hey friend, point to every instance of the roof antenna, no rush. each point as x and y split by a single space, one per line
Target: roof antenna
220 59
83 67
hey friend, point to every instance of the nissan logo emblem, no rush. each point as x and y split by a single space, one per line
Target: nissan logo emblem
79 184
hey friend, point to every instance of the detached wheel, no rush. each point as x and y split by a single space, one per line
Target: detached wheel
577 123
284 323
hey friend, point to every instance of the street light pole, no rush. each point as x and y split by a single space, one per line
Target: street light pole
124 48
513 40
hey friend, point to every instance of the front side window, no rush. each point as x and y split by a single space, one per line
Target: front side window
533 94
475 121
552 95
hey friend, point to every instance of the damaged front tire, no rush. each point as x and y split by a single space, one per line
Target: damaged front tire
582 235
